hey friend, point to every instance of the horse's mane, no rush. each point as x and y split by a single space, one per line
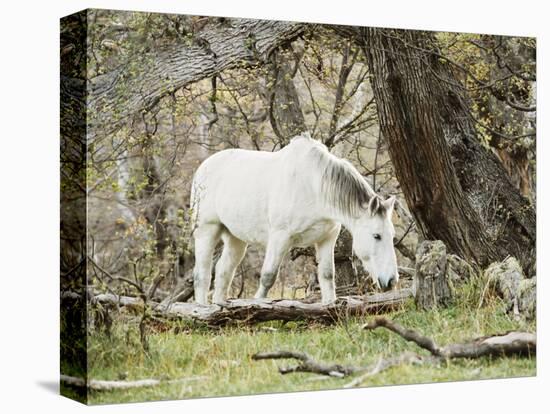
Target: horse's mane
343 188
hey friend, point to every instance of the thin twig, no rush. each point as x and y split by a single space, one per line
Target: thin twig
384 364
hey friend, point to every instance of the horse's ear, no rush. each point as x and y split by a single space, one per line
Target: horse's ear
389 205
374 205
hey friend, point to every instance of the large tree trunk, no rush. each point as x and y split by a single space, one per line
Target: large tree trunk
456 189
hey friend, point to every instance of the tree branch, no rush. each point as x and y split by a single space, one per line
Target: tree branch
308 364
115 96
510 343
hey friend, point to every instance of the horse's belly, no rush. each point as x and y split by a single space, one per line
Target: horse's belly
316 232
251 231
244 214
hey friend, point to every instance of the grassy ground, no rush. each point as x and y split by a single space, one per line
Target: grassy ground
221 359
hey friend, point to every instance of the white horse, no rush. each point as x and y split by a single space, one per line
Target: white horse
296 197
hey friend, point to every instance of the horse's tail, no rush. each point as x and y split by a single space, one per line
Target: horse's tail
198 188
193 204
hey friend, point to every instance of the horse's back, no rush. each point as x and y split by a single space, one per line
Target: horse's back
252 193
231 164
232 187
230 167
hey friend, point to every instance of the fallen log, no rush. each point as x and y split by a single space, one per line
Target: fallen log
251 311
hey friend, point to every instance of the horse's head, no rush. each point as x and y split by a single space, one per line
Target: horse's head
373 235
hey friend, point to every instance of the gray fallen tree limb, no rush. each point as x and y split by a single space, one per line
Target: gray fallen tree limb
308 364
251 311
509 343
106 385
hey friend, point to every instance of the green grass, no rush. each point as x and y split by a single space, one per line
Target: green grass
223 357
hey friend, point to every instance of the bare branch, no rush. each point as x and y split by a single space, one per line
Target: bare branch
212 99
308 364
408 334
510 343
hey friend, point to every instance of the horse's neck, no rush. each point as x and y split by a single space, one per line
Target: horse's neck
308 162
349 223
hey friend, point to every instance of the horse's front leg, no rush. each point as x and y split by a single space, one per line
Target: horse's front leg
325 267
277 246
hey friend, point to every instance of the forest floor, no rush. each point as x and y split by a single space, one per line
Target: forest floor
218 362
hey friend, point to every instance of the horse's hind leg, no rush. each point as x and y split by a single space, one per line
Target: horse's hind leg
233 253
206 238
277 247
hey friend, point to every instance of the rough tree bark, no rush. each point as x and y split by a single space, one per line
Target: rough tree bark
457 190
347 273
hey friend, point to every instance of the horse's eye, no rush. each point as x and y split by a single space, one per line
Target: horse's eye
377 237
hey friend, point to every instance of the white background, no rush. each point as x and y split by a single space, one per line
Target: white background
29 193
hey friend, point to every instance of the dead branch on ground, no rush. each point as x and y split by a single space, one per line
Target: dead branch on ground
510 343
308 364
106 385
506 344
